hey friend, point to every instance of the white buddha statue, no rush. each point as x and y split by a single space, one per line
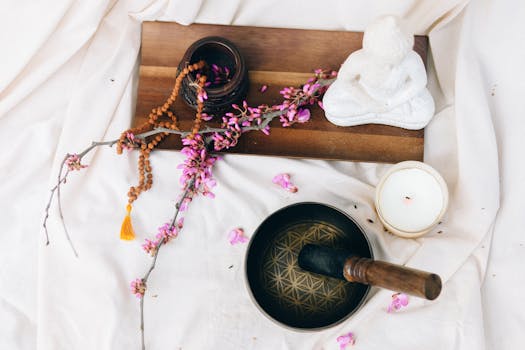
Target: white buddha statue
383 83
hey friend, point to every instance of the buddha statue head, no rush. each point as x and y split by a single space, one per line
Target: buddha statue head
387 41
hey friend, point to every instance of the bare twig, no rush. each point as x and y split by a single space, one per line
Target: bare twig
60 180
59 201
142 323
96 144
48 206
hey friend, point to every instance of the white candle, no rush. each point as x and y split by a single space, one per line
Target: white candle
411 198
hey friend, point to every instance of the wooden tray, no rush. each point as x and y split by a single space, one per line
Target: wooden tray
277 58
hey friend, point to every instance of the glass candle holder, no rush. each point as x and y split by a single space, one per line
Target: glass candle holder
411 199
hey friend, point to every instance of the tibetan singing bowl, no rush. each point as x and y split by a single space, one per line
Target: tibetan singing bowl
281 289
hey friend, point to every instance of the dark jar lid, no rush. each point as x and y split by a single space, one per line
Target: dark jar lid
223 53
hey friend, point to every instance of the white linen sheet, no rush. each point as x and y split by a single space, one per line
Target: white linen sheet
68 75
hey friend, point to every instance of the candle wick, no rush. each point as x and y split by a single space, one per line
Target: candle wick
407 197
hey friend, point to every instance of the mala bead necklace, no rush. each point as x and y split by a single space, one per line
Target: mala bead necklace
128 140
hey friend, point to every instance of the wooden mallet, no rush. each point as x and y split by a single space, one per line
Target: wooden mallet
343 265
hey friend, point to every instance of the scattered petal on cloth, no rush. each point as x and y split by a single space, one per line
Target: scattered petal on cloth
237 236
399 300
283 180
345 340
263 88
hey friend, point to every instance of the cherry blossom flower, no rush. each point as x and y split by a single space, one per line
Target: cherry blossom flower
73 162
234 122
399 300
220 75
303 115
237 236
167 232
283 180
150 247
206 117
201 95
184 204
197 166
130 142
138 288
345 340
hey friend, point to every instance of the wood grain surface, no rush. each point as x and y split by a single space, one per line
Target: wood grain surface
275 57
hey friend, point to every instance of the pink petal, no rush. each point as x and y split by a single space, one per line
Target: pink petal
303 115
345 340
206 117
277 178
403 299
399 300
237 236
283 180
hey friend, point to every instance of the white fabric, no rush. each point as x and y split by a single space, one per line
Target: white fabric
68 73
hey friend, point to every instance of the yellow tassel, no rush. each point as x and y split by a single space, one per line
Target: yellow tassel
126 231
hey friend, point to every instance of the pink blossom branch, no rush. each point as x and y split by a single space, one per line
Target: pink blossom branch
268 117
197 177
265 117
156 254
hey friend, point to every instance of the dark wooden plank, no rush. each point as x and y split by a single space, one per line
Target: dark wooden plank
276 57
265 49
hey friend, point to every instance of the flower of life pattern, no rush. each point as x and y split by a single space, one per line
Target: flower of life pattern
303 293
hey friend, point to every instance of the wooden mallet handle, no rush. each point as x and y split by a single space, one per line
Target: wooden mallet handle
394 277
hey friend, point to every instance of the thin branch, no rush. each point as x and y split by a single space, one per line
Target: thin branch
96 144
160 130
61 180
48 206
59 201
142 323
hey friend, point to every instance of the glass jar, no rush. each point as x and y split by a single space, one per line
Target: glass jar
225 56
